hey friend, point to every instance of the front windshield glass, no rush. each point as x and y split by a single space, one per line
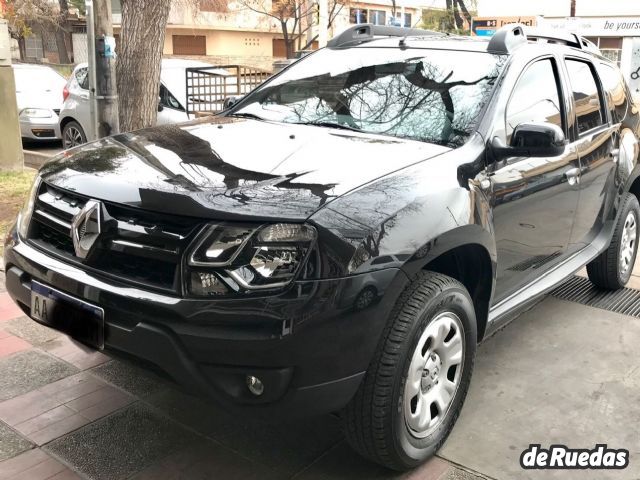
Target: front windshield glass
433 96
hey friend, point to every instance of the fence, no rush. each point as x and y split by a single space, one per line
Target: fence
208 87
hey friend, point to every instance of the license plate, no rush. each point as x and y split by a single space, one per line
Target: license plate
77 318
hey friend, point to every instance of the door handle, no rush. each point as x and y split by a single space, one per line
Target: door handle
572 176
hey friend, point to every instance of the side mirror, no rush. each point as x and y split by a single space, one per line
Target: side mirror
230 102
532 140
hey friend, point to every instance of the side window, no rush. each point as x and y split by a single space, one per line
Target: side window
613 84
586 97
82 78
535 98
168 100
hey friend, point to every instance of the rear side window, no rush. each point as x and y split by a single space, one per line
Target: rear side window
613 85
82 78
588 105
535 98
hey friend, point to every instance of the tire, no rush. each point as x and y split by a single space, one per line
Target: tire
612 269
379 420
73 135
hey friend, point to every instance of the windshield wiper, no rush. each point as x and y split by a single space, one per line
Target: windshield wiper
245 115
341 126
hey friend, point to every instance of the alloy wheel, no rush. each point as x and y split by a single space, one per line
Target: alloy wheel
72 137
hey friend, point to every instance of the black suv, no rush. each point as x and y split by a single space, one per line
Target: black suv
340 239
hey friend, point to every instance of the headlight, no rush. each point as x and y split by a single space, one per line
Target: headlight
36 113
236 259
24 217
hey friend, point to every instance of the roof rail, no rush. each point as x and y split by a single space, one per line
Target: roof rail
365 32
512 36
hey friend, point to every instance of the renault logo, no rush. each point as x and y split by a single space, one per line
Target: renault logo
85 228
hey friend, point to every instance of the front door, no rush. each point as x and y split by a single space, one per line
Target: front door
534 199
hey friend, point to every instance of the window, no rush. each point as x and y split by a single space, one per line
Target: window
189 45
82 78
168 100
613 84
407 20
586 97
358 15
535 98
611 47
378 17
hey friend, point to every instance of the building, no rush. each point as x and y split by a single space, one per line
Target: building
240 35
613 25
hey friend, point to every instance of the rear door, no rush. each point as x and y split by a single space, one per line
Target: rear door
597 135
534 199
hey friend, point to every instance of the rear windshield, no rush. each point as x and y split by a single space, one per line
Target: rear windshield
433 96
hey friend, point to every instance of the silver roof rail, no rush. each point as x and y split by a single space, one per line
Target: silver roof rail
366 32
512 36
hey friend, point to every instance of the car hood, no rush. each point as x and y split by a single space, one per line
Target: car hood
229 168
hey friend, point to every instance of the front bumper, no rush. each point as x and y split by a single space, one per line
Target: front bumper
310 346
40 128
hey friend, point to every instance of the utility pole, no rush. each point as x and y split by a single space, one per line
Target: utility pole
102 68
11 157
573 8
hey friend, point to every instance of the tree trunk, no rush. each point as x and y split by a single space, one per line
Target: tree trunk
63 35
288 41
139 59
23 48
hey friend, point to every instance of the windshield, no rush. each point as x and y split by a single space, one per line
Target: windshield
433 96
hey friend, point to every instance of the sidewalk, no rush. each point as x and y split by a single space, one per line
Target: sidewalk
561 373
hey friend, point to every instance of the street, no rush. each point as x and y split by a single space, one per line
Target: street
73 413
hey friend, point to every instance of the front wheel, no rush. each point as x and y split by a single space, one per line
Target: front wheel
73 135
415 386
612 268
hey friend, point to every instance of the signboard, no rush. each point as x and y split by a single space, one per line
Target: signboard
596 27
487 26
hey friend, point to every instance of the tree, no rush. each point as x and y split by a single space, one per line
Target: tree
24 15
451 19
63 34
293 17
140 56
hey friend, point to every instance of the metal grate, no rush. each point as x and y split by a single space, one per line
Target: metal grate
208 87
580 290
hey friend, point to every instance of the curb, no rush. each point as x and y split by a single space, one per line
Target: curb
35 159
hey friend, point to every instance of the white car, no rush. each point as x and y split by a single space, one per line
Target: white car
39 99
75 117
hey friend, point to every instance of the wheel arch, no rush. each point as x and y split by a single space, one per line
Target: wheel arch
467 254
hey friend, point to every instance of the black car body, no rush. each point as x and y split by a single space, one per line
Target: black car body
381 207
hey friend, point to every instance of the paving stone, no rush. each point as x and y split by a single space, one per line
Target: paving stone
2 282
61 407
8 309
26 371
30 330
459 474
199 414
130 377
11 443
286 447
10 344
122 444
75 353
35 465
204 461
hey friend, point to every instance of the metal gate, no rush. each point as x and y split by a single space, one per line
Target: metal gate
208 87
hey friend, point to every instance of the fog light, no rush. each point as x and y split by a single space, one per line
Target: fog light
255 385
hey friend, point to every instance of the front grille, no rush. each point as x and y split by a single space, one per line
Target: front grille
134 246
